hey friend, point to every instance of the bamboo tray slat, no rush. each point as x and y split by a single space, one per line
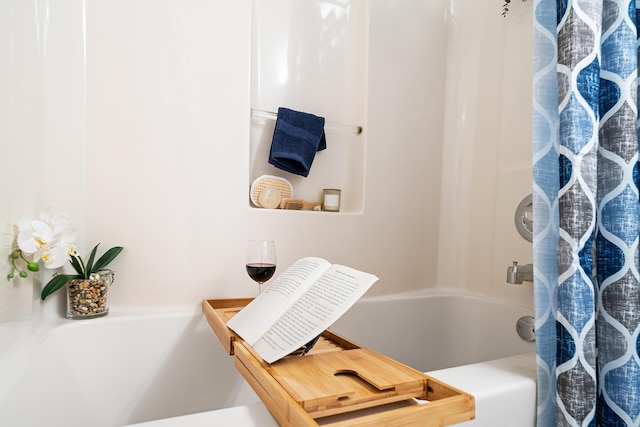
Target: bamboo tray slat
338 383
218 312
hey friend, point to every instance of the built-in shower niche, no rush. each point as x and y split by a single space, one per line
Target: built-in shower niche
311 56
341 165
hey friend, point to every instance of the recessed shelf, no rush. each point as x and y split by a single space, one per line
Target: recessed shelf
312 57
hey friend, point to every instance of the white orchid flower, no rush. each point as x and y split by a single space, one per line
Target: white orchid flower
55 256
34 236
63 231
48 238
72 250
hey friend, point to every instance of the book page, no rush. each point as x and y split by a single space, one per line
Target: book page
253 321
321 305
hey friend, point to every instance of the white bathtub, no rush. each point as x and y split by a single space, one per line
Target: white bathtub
117 370
158 366
436 329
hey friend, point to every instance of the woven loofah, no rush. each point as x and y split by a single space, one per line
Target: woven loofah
283 186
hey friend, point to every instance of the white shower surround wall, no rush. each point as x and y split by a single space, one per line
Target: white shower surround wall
149 102
486 146
137 367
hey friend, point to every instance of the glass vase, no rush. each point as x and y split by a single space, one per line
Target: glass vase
89 298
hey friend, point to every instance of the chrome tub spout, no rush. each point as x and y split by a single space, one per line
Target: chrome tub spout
516 274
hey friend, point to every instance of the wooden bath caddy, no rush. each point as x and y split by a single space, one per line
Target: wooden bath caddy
339 383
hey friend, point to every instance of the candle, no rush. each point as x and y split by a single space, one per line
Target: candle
331 201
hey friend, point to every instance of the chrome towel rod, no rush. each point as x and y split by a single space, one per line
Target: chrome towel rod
261 114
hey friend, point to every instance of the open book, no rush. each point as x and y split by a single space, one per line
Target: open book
301 302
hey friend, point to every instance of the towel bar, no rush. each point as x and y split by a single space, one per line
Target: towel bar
261 114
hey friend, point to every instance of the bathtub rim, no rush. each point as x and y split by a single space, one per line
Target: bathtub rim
15 332
439 292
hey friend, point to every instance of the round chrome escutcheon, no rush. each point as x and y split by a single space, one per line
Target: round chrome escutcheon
524 218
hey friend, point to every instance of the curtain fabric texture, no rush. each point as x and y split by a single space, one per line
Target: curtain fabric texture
585 171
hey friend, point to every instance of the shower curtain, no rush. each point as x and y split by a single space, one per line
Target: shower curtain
585 172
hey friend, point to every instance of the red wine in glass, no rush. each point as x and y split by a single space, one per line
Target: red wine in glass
261 272
261 261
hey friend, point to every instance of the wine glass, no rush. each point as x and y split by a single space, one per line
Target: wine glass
261 261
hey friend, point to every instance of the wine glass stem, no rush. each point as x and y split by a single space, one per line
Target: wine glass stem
259 288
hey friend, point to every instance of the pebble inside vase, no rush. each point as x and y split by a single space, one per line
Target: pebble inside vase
88 298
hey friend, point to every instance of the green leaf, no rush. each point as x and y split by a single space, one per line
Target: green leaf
76 266
107 258
54 284
90 261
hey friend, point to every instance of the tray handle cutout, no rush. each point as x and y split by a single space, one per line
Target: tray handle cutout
359 377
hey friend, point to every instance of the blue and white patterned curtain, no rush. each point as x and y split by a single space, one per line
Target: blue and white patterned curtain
585 161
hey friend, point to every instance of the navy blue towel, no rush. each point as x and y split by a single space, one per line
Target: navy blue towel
296 139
